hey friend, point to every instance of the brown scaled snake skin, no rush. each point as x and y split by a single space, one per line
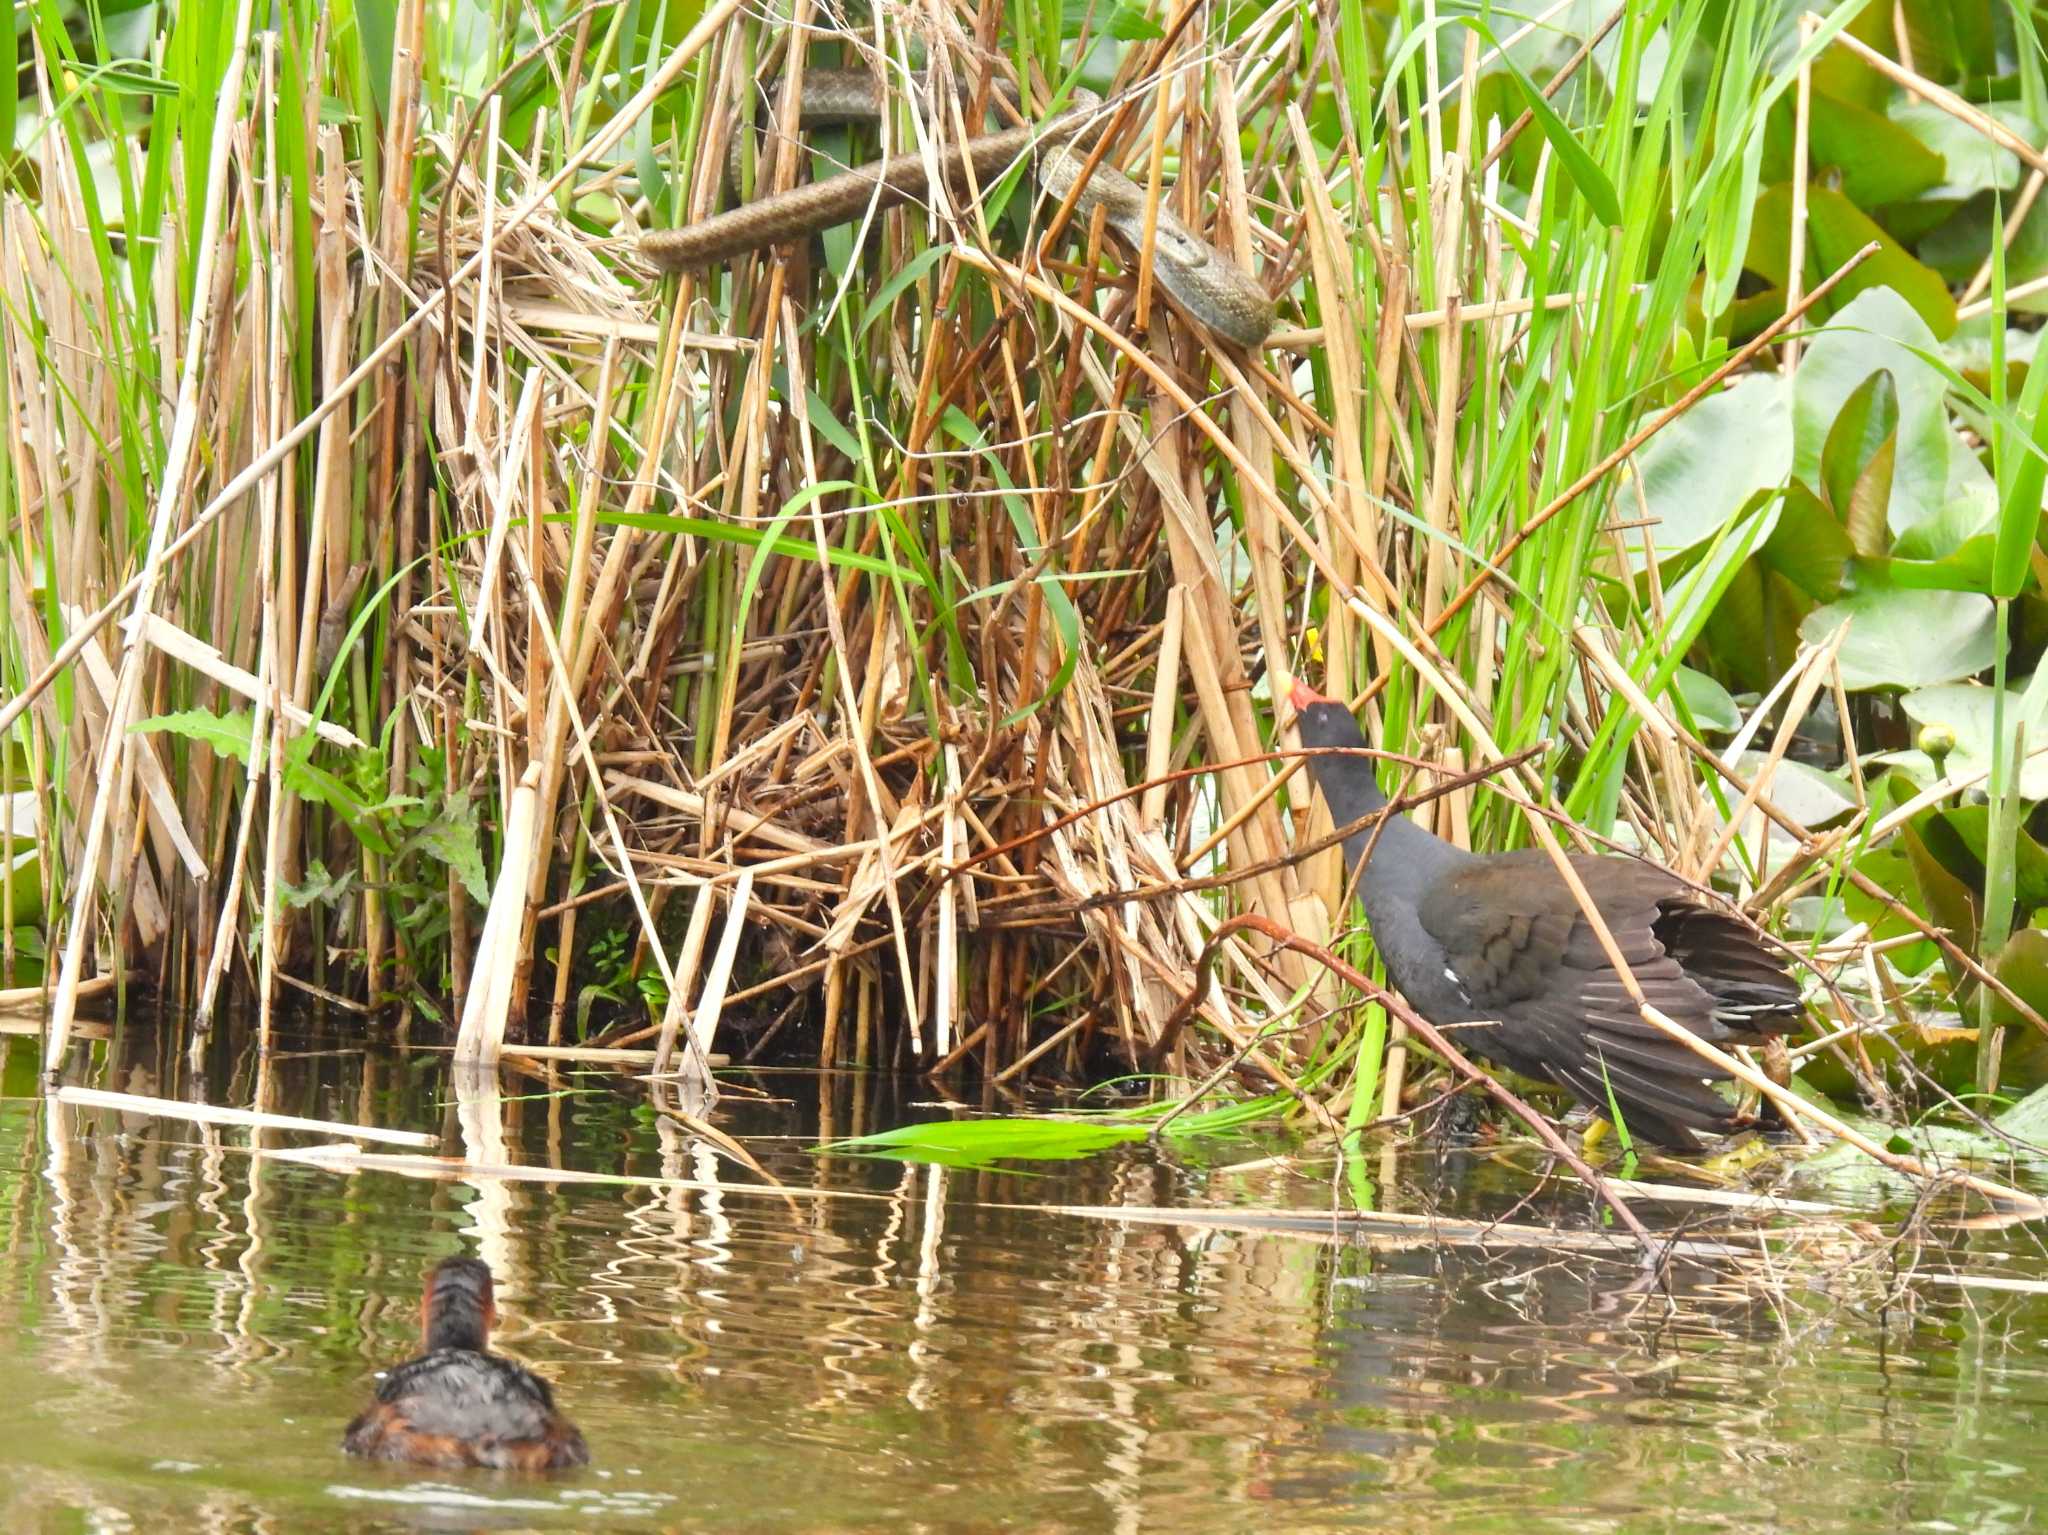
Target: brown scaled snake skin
1204 281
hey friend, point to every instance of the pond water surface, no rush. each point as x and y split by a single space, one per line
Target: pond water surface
186 1325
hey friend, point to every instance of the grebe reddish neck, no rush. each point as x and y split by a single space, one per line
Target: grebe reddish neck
458 1404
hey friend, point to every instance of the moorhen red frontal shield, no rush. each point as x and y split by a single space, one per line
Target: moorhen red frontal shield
1497 946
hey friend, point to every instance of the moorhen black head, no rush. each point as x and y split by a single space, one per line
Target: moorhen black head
1498 942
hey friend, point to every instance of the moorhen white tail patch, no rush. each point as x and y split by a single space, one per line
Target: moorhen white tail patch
1497 944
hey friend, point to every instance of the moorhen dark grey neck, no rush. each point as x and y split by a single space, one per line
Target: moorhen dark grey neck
1405 859
1500 943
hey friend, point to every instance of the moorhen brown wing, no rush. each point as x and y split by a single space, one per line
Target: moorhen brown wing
1496 946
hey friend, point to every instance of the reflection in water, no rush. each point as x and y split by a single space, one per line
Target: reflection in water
186 1323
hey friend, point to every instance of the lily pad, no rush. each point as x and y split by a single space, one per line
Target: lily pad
1876 331
1966 709
1881 161
1971 162
1711 705
1807 794
1703 469
1903 638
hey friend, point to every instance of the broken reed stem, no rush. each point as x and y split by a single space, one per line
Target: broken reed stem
925 672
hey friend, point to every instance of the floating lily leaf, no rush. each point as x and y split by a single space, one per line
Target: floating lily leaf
1843 1172
1906 638
1971 162
1836 229
1864 337
1966 710
1969 509
1880 161
1711 705
1702 470
1807 794
1958 246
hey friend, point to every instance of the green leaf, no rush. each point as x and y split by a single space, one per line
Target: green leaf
724 532
751 582
452 838
1836 229
1126 23
1700 472
1856 462
984 1142
1971 162
2022 966
1967 710
1711 705
1878 330
1578 164
1943 898
227 734
1968 513
309 780
1806 793
883 298
10 49
320 887
1880 162
2019 518
1971 827
1809 547
1905 638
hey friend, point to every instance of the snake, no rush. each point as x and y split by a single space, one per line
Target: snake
1205 282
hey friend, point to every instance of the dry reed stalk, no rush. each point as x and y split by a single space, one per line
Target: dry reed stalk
220 1114
691 956
482 1033
1059 549
114 764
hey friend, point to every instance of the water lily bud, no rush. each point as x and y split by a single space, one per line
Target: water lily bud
1937 740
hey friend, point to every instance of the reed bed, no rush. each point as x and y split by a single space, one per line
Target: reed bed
420 606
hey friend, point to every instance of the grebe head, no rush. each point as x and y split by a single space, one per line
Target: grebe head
458 1309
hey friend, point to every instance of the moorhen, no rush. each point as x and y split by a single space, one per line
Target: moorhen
458 1404
1499 943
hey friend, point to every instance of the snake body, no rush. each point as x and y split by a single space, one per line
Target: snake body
1206 282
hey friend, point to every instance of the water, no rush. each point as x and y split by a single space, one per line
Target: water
184 1328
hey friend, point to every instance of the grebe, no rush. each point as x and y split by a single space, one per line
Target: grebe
458 1404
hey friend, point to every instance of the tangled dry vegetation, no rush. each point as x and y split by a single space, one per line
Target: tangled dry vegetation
875 637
